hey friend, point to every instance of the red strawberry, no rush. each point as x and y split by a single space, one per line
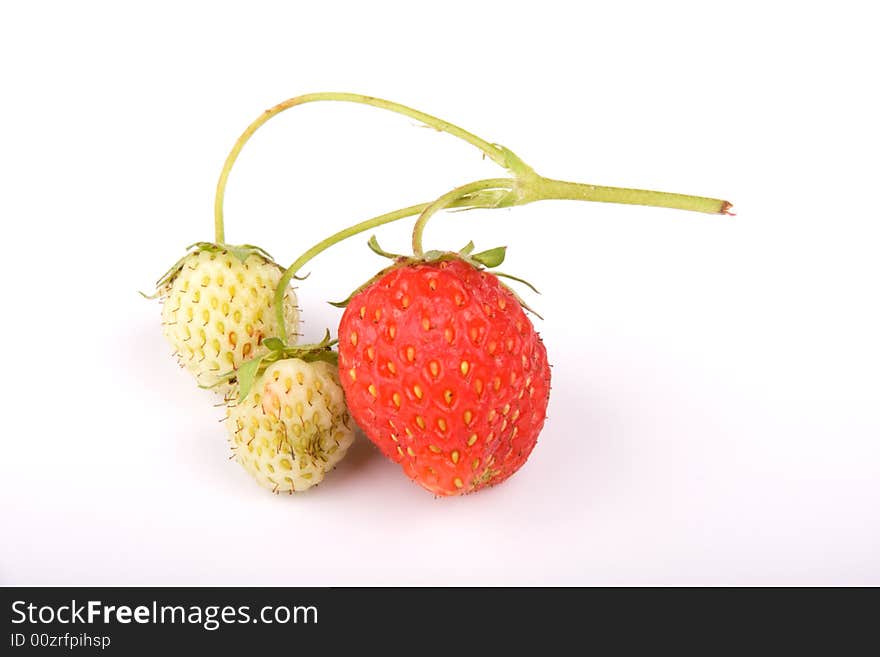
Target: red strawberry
444 373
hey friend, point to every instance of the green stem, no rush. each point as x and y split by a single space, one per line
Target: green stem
451 197
547 188
496 153
524 187
529 187
484 200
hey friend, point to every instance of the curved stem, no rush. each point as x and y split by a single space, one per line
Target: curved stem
474 200
449 198
524 187
495 153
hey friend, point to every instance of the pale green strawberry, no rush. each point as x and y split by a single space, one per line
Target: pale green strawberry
292 427
218 308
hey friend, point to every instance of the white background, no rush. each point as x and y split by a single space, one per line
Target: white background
715 415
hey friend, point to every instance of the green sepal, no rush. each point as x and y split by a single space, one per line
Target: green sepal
247 373
492 257
273 344
521 302
344 303
518 280
245 251
373 243
488 258
242 252
434 255
174 269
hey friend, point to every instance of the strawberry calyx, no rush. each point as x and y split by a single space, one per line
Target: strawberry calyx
488 259
246 374
240 251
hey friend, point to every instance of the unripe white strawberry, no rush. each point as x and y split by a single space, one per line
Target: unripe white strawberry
292 427
218 308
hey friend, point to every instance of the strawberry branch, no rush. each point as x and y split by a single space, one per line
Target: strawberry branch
493 151
525 186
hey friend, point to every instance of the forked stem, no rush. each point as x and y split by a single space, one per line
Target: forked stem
529 187
525 186
496 153
486 199
505 185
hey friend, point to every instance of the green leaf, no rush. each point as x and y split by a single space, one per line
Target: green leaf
273 344
434 255
247 375
492 257
467 249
